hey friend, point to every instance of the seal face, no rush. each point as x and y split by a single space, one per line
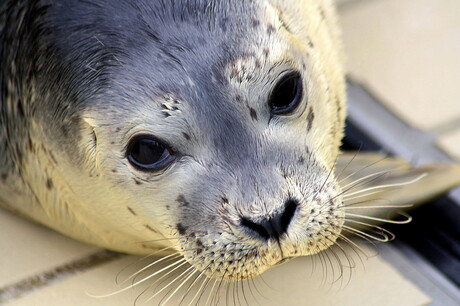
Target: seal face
208 127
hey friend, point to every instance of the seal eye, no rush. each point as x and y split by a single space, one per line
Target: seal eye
287 94
148 154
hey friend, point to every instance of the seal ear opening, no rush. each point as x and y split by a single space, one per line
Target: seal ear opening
89 143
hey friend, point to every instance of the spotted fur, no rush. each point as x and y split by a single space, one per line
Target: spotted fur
79 79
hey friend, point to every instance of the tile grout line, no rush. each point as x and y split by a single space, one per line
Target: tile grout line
21 288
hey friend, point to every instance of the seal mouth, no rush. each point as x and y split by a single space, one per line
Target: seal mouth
283 260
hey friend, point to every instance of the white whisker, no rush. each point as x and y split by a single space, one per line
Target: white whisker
349 197
388 185
409 218
136 262
354 246
181 284
191 287
384 239
365 179
210 293
138 282
376 206
174 280
363 168
171 256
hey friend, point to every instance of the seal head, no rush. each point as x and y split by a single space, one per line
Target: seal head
212 128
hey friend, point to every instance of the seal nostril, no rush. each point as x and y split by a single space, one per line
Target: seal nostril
258 228
290 208
274 226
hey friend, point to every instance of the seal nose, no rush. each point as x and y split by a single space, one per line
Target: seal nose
274 226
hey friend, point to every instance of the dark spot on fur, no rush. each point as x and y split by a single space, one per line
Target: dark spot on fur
339 107
180 228
233 73
166 115
112 142
322 14
150 228
253 113
258 64
200 246
238 98
131 211
137 182
117 130
114 170
255 22
310 44
310 118
167 207
312 212
266 52
4 176
225 200
186 136
301 160
270 29
182 201
49 183
21 112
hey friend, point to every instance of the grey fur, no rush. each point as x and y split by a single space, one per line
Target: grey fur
84 72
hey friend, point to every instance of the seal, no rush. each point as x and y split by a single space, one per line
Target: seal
208 127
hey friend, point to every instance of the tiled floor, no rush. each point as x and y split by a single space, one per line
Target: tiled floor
37 249
406 52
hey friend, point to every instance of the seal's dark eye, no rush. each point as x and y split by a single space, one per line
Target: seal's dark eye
148 154
287 94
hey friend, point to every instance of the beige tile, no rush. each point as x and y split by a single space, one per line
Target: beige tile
451 144
341 2
28 248
294 283
407 52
